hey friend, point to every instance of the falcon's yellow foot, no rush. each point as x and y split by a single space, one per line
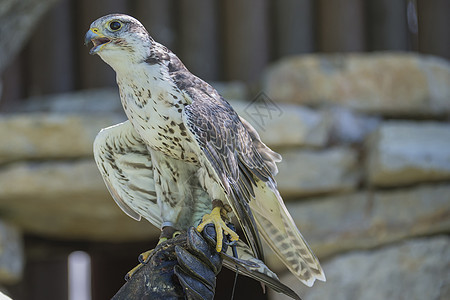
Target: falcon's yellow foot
145 256
218 213
143 259
133 271
167 233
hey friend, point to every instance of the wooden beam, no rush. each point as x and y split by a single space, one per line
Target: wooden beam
341 26
246 39
199 37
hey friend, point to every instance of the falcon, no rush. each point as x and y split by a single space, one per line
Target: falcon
184 156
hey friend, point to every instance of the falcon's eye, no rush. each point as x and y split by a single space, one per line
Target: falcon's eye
115 25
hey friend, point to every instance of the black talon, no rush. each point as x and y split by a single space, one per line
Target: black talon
233 246
141 259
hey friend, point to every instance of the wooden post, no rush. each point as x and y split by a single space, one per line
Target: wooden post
46 271
434 27
12 85
199 37
246 39
157 17
51 53
341 26
387 25
294 30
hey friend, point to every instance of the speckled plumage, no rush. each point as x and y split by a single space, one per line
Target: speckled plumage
184 146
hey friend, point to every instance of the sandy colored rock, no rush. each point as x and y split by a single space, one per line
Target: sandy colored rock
281 125
66 200
44 136
386 83
404 153
100 101
308 172
366 220
414 269
349 126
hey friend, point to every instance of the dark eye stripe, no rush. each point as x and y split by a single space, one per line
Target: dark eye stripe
115 25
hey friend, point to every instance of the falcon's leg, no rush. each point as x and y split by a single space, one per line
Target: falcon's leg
217 217
167 232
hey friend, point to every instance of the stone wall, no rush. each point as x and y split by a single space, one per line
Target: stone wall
365 141
374 199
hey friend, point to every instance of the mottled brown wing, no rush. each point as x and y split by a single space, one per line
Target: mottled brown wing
229 149
225 143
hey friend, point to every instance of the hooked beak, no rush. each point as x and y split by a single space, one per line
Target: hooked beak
98 40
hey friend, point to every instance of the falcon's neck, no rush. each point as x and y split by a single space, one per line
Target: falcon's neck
128 54
151 85
141 72
152 65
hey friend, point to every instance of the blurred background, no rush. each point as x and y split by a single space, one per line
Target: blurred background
355 94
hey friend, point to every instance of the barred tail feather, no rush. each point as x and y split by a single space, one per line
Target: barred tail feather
278 229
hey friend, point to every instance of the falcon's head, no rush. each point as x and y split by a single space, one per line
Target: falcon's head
119 39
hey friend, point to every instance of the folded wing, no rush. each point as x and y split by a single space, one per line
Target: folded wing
127 169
